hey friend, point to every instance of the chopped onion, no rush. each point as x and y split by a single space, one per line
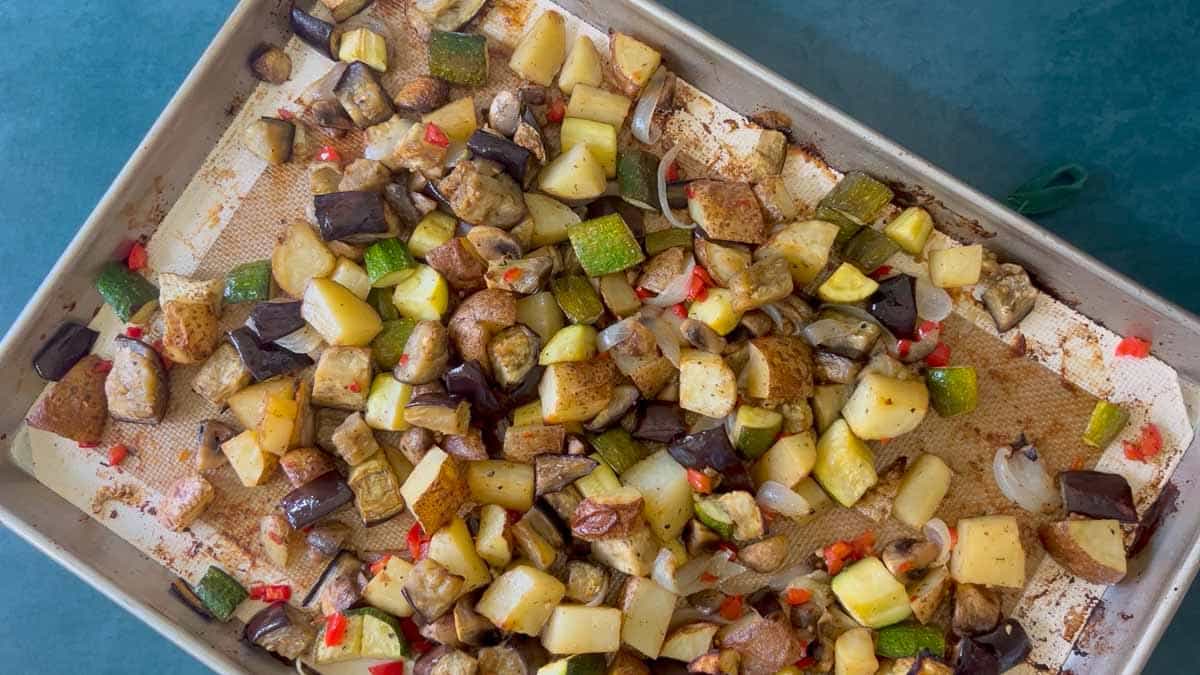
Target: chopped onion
382 145
779 498
937 532
776 317
301 341
663 203
666 338
614 335
1023 479
701 573
642 123
665 570
933 303
787 577
456 152
676 291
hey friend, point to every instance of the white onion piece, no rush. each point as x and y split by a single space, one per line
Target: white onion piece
779 498
776 317
788 576
383 145
937 532
456 152
304 340
642 122
1023 479
666 338
665 570
933 303
676 291
663 203
721 565
614 335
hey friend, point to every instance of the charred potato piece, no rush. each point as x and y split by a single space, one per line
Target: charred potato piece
427 351
137 389
457 261
1090 549
575 391
779 368
75 407
191 332
727 211
184 501
421 95
304 464
435 489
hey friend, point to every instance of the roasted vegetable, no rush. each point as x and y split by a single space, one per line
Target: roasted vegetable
303 465
363 44
354 217
976 609
299 257
574 175
265 361
209 437
75 407
885 407
435 490
270 139
316 33
516 160
727 211
480 193
989 552
845 467
1105 424
631 62
521 600
132 298
894 305
541 51
954 267
1090 549
605 245
316 499
252 463
70 343
1009 296
376 490
1096 494
953 390
363 98
136 388
184 501
220 593
921 491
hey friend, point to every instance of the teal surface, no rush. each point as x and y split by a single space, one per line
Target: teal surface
992 92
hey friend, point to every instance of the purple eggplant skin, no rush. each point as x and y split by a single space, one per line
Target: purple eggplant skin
661 422
268 619
345 562
711 449
468 381
975 658
1097 494
362 96
1010 642
354 217
430 190
265 361
314 32
71 342
895 305
515 159
270 321
1153 517
316 499
397 196
184 593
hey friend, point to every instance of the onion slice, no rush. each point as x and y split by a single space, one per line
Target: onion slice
663 203
937 532
676 291
642 123
614 335
304 340
666 337
933 303
1023 479
778 498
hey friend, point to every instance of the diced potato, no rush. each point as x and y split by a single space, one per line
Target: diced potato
600 139
385 589
583 66
249 404
274 432
727 211
490 542
221 376
921 491
576 342
575 391
707 384
618 295
926 595
385 403
338 315
352 276
452 548
299 257
578 629
590 102
954 267
722 262
575 174
665 489
251 463
845 467
716 311
779 367
521 600
689 641
190 331
871 595
496 481
1090 549
342 378
423 296
854 653
988 552
788 461
551 218
805 245
886 407
632 62
541 51
456 119
435 489
647 609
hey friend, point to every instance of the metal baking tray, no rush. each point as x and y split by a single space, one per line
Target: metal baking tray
1132 614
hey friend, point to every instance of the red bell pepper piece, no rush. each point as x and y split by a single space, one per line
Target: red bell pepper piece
939 357
412 634
137 257
285 114
863 544
328 153
731 608
700 481
709 578
726 546
1133 346
902 347
134 332
87 446
806 662
380 565
418 543
435 136
1149 444
335 629
836 555
117 454
271 592
679 310
798 596
642 293
511 275
927 327
672 172
557 111
953 536
354 387
390 668
880 272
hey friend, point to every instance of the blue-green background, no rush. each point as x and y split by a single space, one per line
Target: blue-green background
992 92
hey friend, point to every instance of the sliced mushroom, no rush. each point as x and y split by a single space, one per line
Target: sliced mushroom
830 367
758 323
766 555
611 515
505 112
442 631
907 558
701 336
519 655
209 437
976 610
493 244
427 353
552 473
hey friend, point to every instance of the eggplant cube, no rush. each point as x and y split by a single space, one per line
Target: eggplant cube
343 378
221 376
136 387
361 95
354 440
250 462
376 490
521 600
436 489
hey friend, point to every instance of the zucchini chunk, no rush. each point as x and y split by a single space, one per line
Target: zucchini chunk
132 298
845 467
220 593
871 595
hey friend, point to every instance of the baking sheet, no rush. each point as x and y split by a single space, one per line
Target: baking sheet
1048 392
